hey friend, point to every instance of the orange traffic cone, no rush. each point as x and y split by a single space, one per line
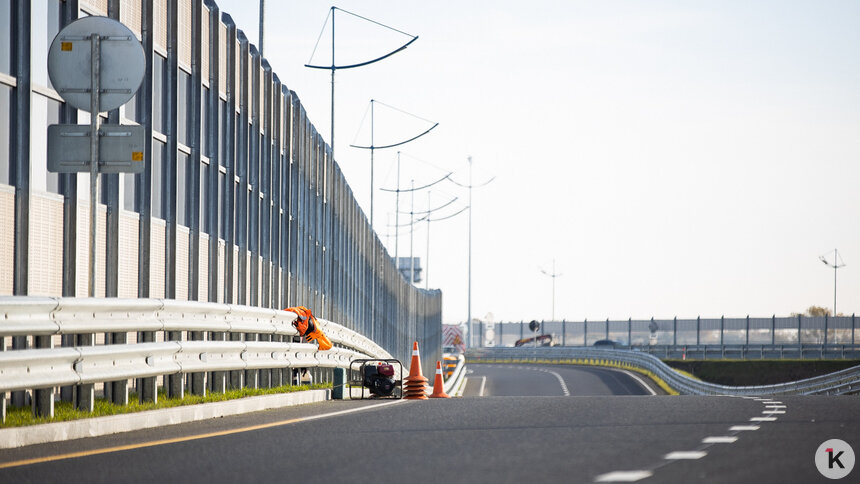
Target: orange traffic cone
416 384
438 386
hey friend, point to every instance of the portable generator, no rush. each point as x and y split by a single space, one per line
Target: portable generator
382 378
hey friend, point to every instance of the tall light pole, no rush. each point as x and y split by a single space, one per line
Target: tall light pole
470 186
837 263
553 275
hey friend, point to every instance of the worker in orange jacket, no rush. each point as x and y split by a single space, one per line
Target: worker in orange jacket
308 326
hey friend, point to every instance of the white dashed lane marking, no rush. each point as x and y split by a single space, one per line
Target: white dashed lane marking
727 439
743 428
685 455
771 407
623 476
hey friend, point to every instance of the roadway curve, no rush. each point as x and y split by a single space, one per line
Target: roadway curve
490 439
552 380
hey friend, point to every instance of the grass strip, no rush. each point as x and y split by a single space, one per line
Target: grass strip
65 411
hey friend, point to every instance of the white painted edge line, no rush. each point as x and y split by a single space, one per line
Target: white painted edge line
685 455
641 382
483 384
762 419
742 428
720 440
623 476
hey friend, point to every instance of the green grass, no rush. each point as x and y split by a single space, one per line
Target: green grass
64 411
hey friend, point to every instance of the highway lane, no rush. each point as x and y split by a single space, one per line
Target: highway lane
490 439
551 380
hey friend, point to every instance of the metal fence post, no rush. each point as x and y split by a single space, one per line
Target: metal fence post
675 331
826 319
698 330
722 328
773 330
629 331
563 332
585 332
607 328
748 330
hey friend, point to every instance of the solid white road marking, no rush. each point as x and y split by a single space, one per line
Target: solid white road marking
483 383
632 375
720 440
685 455
774 412
774 406
762 419
623 476
741 428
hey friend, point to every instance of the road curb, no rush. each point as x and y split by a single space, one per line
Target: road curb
113 424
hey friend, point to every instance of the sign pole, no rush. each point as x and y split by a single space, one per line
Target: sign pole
95 46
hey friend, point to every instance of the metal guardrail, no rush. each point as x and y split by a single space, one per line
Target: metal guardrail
838 383
50 367
454 382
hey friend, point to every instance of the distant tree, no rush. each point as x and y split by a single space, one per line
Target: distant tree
816 311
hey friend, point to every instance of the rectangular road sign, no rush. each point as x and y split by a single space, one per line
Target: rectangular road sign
120 148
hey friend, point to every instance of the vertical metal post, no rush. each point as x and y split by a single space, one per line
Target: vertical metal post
675 331
95 88
262 23
698 330
69 190
585 332
773 330
629 331
469 298
748 330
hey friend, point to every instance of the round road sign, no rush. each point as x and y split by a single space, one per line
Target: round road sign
122 63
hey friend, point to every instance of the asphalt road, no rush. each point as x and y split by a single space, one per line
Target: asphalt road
553 380
473 439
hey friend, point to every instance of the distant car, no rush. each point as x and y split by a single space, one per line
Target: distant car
606 344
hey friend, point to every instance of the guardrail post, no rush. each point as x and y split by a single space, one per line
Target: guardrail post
85 394
236 379
43 399
67 393
147 388
119 389
197 380
174 387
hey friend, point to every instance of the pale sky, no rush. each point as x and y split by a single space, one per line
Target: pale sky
675 158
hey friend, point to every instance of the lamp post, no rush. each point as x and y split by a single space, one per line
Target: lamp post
837 263
553 275
470 186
